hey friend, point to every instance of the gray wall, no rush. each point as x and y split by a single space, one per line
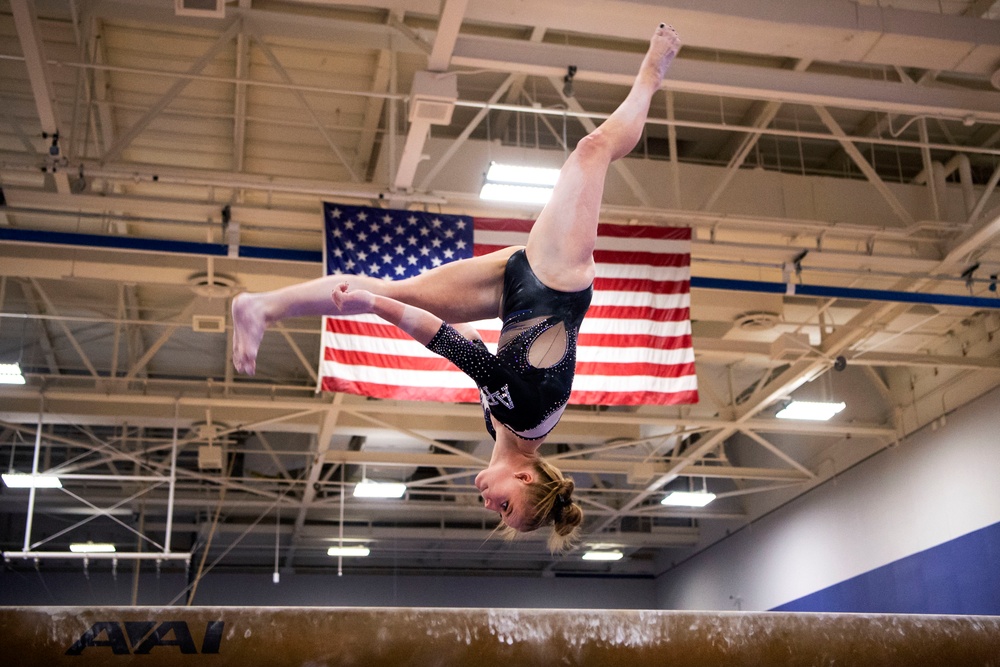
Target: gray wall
100 588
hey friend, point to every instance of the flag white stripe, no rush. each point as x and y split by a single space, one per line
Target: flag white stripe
596 325
374 345
617 384
641 299
658 246
397 376
584 353
643 272
498 238
452 380
635 355
591 325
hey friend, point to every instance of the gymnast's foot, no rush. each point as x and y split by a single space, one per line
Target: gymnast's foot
249 323
662 48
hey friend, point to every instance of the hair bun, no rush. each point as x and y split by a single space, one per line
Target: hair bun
565 529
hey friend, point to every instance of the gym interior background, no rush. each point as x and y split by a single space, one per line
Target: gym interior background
158 158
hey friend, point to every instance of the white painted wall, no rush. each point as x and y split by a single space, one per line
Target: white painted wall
935 486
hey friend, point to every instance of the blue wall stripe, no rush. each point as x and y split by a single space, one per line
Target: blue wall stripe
846 292
283 254
113 242
288 255
961 576
155 245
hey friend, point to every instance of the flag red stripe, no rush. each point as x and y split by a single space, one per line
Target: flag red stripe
609 230
634 340
407 363
642 285
612 340
686 397
644 232
641 313
609 340
374 359
359 328
636 258
611 369
640 258
395 392
480 249
503 225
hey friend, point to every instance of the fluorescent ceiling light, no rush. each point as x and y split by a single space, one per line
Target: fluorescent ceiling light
17 480
348 551
92 548
11 374
810 410
515 194
603 554
688 498
369 489
517 174
518 184
92 512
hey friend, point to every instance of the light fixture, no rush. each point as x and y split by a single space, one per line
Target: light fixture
366 488
688 498
18 480
358 550
814 410
54 148
79 184
11 374
603 554
92 548
568 81
518 184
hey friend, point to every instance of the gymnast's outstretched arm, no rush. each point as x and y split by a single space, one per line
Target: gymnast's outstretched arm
462 291
417 322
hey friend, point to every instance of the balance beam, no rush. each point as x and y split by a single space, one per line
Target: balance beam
369 637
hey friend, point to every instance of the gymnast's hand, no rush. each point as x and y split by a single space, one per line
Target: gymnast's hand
352 302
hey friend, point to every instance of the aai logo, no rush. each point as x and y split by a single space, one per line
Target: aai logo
141 637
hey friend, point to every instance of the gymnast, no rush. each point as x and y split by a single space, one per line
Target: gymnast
541 291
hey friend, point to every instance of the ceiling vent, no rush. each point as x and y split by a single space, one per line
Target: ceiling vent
215 286
757 321
208 324
208 312
433 97
201 8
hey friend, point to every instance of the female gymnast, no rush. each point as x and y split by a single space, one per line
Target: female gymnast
541 291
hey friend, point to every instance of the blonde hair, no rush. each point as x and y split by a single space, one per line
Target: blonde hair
550 495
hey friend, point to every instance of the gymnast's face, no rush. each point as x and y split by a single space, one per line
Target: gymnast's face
503 490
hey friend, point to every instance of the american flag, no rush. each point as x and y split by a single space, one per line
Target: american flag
634 347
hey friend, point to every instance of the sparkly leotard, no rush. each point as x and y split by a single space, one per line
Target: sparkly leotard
526 399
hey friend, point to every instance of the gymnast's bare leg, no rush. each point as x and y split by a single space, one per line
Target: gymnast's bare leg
560 246
561 243
462 291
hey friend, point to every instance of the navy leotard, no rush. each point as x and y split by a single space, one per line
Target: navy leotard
525 399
